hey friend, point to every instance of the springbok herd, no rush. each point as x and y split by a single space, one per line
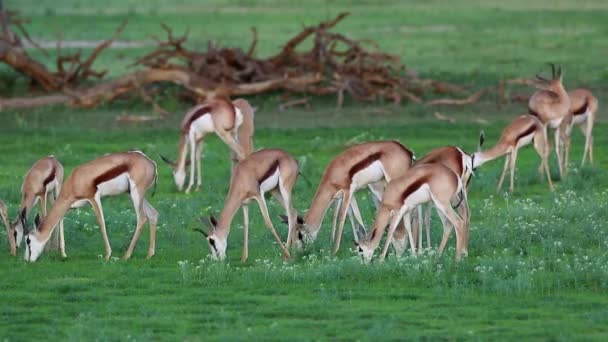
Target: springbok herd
400 185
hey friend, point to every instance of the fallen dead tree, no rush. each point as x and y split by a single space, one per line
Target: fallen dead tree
334 65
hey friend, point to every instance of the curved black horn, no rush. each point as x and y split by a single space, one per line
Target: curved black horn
201 231
559 71
166 160
538 76
552 70
482 138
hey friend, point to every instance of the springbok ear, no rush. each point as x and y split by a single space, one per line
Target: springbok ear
300 220
23 217
482 138
284 218
213 221
37 221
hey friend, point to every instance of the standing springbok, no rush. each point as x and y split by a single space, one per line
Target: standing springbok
583 108
231 121
519 133
353 169
265 170
113 174
455 159
421 184
551 104
44 178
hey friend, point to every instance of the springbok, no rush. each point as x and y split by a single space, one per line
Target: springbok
551 104
583 108
44 178
519 133
113 174
358 166
231 121
461 163
419 185
265 170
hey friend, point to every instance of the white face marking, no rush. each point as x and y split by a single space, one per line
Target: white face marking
365 251
179 176
371 174
217 246
33 248
115 186
239 117
270 182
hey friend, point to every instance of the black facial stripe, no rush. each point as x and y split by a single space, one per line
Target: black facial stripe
212 243
300 235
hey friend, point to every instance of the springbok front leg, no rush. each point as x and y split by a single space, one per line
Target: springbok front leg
587 132
192 143
512 168
560 162
337 206
391 230
342 217
504 172
96 204
264 209
245 254
198 157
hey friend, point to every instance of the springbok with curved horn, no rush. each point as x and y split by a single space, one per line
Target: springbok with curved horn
42 180
231 121
420 184
113 174
551 104
353 169
265 170
519 133
583 108
461 163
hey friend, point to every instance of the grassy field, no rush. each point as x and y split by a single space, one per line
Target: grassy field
538 261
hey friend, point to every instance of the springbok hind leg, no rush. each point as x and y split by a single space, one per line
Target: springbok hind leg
512 169
504 172
264 209
152 216
141 220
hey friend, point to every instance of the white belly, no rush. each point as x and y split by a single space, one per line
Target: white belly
202 126
270 182
525 140
418 197
555 122
115 186
371 174
579 119
239 117
51 186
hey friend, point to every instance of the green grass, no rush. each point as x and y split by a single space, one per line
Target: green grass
537 265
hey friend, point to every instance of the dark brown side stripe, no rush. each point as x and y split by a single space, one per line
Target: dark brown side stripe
532 112
49 178
527 132
202 111
111 174
581 110
271 170
367 161
413 187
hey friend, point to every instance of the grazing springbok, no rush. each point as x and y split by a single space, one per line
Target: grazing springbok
455 159
421 184
551 104
44 178
265 170
231 121
113 174
583 108
353 169
519 133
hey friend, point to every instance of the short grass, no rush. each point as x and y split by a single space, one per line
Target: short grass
538 266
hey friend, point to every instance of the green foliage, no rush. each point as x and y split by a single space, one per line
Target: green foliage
537 265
